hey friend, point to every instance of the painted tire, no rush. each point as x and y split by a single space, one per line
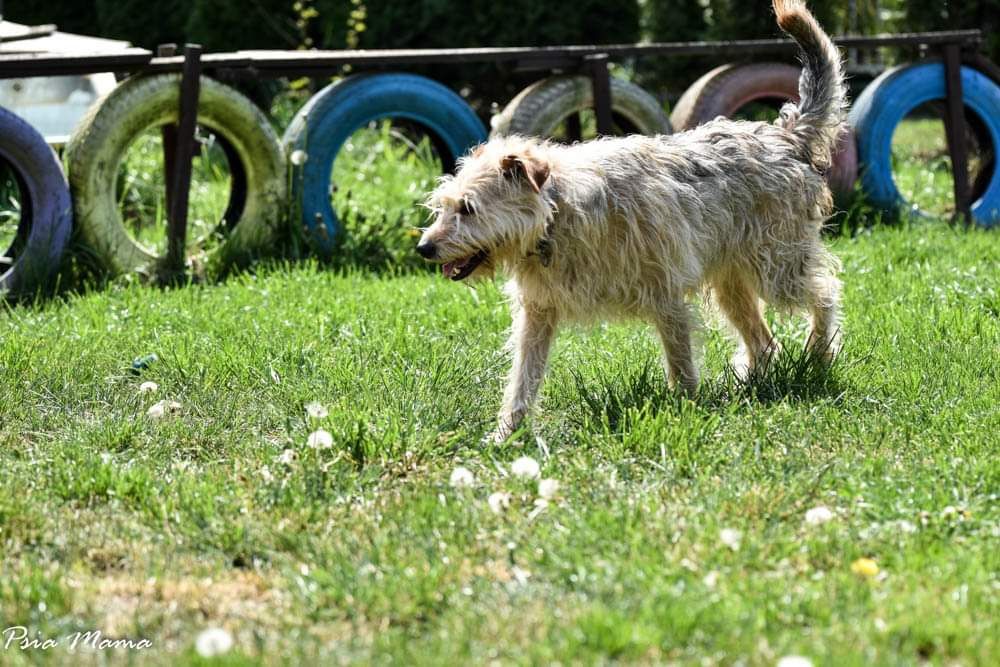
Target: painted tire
322 126
889 98
726 89
538 109
46 218
97 147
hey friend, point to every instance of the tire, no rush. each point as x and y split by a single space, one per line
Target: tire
726 89
538 109
257 165
46 211
889 98
321 127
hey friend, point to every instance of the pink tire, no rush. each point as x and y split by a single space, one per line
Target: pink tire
728 88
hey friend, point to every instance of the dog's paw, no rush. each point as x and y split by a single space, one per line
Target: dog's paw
496 437
506 427
499 435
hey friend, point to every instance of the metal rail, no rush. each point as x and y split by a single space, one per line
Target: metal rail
956 47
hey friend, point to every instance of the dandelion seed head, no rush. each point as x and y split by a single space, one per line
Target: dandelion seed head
731 538
162 409
461 478
320 439
794 661
212 642
818 515
499 501
525 467
316 410
548 488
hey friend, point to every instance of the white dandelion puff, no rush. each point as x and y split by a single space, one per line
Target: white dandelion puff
548 488
818 515
525 467
499 501
287 457
320 439
731 538
162 409
148 388
461 478
794 661
298 158
213 642
521 576
316 410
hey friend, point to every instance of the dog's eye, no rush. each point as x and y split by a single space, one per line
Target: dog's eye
465 208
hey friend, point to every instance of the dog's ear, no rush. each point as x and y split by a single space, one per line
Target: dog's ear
535 171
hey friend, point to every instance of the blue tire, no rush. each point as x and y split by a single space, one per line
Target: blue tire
322 126
893 95
46 210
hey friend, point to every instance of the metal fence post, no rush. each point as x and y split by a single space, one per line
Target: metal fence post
601 80
955 130
183 153
169 135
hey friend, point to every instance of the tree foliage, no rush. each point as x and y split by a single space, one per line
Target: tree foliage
240 24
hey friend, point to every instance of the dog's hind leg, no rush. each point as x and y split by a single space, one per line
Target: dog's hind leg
739 302
806 279
530 340
824 316
673 323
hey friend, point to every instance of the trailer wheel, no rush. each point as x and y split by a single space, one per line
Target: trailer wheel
321 127
728 88
97 147
541 107
889 98
46 211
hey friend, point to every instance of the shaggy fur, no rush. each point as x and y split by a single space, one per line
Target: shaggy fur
633 227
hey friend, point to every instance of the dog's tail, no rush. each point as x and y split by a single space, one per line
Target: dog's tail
819 116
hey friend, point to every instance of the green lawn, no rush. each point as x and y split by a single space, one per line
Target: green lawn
678 532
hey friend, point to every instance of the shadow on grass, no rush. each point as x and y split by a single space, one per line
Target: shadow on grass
796 375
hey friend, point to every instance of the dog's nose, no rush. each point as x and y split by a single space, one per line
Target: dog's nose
426 249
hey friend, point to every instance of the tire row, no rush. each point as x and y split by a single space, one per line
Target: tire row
261 186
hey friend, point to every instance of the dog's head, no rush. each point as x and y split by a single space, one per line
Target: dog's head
493 211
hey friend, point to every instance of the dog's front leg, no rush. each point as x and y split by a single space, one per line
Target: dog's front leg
530 340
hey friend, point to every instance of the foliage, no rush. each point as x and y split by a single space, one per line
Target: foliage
730 19
144 23
230 24
670 21
957 14
444 23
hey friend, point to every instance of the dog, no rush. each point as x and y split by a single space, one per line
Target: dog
634 227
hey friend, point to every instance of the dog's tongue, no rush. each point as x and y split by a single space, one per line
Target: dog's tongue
447 268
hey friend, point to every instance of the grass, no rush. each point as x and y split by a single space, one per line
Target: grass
922 165
142 197
10 210
222 515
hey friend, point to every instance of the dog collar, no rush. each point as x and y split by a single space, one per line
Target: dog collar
544 250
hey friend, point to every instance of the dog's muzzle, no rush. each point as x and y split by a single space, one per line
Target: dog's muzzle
463 268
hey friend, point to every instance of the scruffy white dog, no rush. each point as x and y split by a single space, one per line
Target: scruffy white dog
632 227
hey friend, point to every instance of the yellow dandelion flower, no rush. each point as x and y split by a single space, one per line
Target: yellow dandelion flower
864 567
